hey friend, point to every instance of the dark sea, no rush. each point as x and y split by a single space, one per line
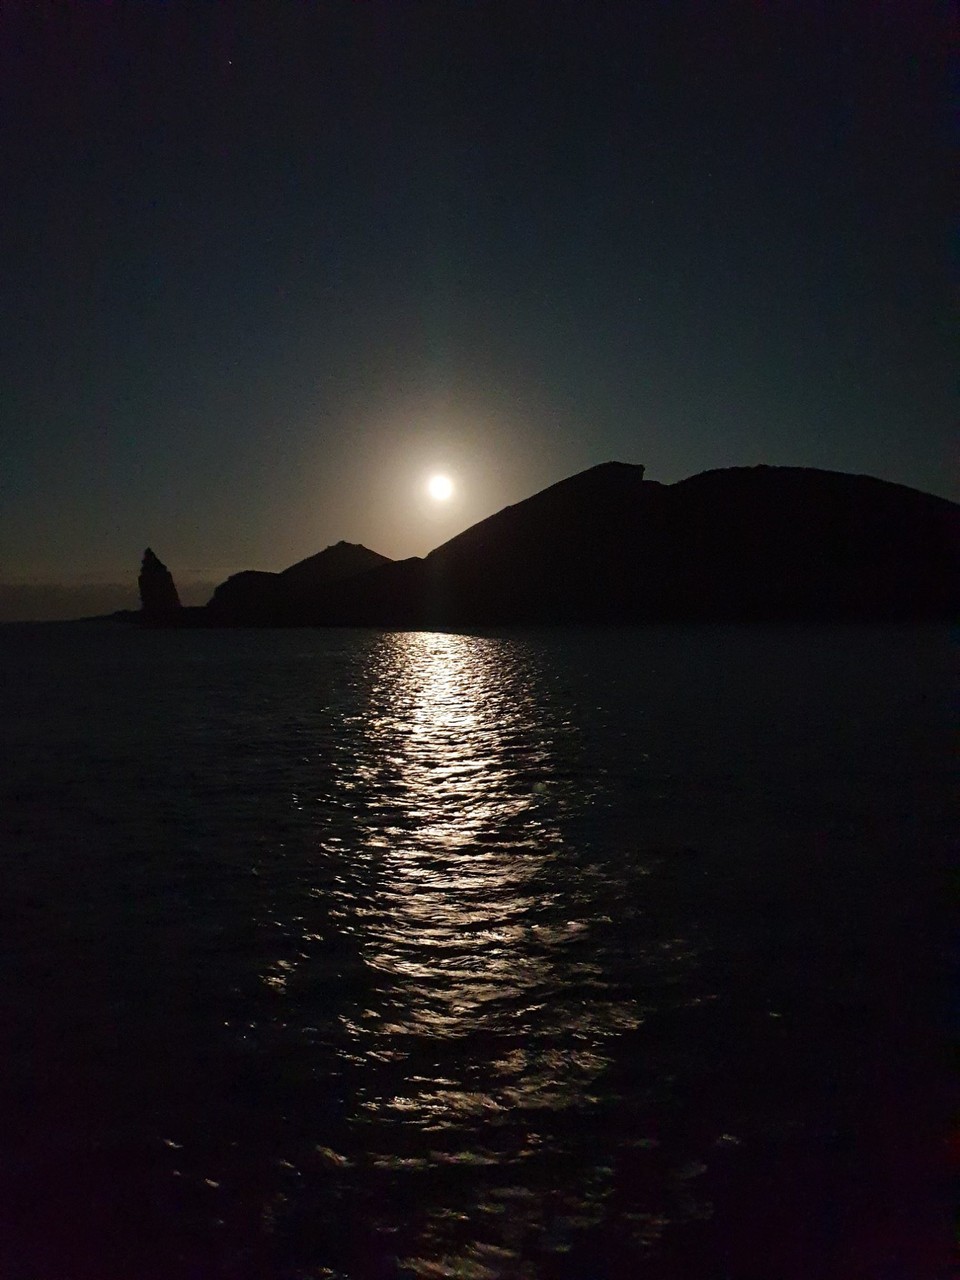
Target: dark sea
579 955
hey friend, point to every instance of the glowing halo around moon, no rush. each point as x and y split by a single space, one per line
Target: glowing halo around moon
440 488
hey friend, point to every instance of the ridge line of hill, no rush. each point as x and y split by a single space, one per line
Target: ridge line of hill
609 546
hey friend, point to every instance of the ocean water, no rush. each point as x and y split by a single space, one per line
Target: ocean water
561 954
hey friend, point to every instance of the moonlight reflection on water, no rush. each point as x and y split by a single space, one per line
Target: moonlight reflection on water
526 956
491 1015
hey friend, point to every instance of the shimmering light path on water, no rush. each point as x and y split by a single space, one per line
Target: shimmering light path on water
560 955
483 924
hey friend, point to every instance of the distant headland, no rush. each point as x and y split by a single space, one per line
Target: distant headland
607 546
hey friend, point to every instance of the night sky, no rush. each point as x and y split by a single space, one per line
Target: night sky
266 267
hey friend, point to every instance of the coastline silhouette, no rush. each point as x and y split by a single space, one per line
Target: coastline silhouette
608 546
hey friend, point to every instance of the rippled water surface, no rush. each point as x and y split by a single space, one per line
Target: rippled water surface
541 954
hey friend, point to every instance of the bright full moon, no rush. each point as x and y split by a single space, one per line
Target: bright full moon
440 488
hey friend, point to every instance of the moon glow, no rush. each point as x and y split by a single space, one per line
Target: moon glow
440 488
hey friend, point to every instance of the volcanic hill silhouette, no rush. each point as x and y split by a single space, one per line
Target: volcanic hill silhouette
607 546
265 599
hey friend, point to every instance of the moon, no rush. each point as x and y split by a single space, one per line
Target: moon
440 488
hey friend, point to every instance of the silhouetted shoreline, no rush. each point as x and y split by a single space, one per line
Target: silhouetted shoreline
607 546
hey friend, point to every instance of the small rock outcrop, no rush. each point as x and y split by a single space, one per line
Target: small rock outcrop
158 594
251 597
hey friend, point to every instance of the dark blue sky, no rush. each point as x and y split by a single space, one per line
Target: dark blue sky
266 267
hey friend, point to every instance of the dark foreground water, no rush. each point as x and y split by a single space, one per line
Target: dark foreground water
546 954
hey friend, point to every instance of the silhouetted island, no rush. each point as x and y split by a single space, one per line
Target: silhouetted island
746 544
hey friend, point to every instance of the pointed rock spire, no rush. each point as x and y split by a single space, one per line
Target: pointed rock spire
158 594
